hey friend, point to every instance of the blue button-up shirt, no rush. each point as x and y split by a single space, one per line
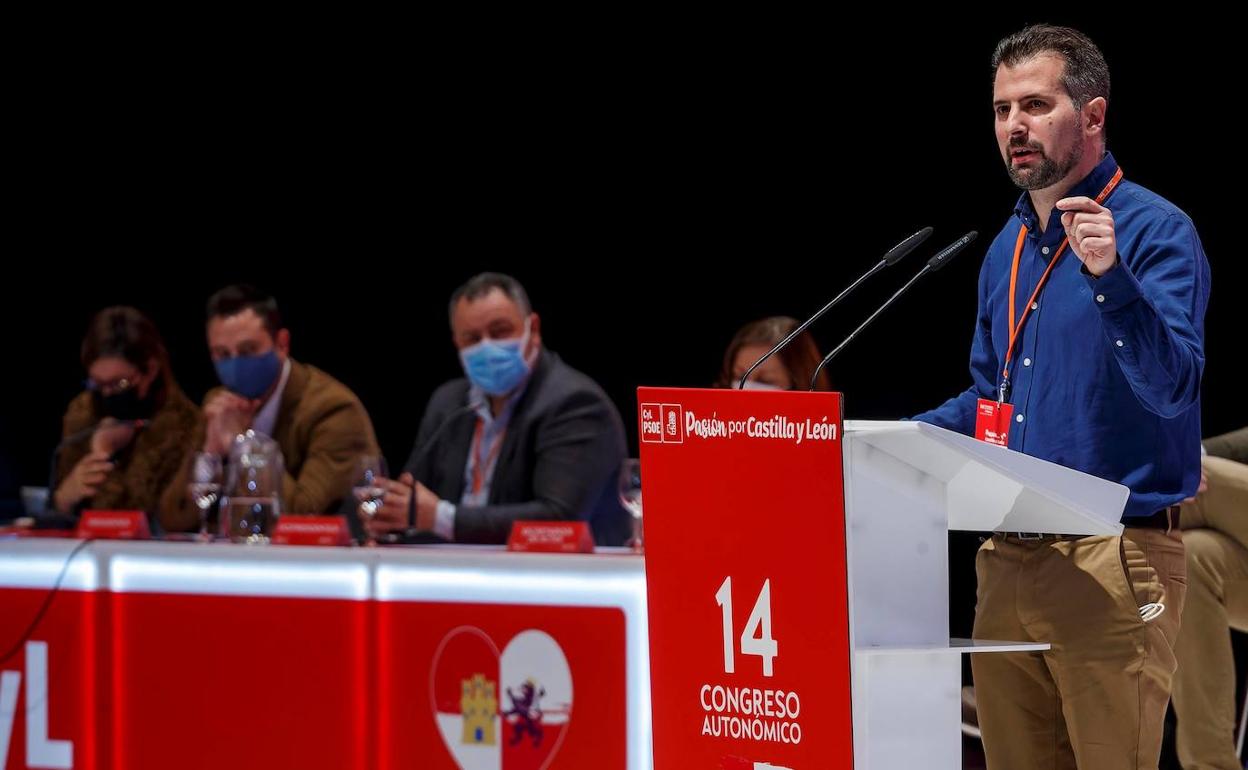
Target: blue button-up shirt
1105 378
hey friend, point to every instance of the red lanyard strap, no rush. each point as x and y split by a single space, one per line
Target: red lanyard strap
1016 329
479 463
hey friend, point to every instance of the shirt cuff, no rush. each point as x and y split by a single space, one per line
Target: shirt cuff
444 520
1114 290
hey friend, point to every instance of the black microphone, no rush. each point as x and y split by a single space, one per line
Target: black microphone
410 535
419 453
935 263
893 256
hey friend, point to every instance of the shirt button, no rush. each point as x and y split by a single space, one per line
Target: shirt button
1026 362
1118 343
1100 297
1035 306
1044 250
1019 418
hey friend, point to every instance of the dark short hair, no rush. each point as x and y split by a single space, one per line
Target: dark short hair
1085 76
234 299
484 283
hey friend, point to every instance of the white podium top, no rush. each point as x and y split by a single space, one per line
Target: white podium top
992 488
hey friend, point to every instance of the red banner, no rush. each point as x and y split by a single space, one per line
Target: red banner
746 579
142 680
500 690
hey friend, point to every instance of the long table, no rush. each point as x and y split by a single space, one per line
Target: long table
191 655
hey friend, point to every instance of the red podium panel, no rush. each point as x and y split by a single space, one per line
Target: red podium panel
746 578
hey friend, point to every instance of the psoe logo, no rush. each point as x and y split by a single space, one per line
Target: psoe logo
41 752
662 423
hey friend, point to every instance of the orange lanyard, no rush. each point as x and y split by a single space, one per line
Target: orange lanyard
1017 329
479 464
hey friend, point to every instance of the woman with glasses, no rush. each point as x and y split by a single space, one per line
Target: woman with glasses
127 433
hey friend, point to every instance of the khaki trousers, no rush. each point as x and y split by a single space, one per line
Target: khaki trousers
1215 533
1097 699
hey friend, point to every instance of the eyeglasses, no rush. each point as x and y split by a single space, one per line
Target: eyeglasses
110 388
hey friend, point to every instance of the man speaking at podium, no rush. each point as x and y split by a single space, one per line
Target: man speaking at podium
1088 352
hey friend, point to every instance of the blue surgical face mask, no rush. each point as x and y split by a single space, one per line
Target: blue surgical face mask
497 366
249 376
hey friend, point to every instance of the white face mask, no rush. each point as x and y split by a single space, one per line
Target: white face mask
756 385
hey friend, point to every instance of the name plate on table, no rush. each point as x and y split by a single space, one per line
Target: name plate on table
114 525
551 537
311 530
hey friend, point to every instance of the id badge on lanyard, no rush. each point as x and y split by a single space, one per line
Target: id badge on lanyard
992 421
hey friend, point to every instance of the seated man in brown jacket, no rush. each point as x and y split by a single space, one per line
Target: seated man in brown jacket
320 425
